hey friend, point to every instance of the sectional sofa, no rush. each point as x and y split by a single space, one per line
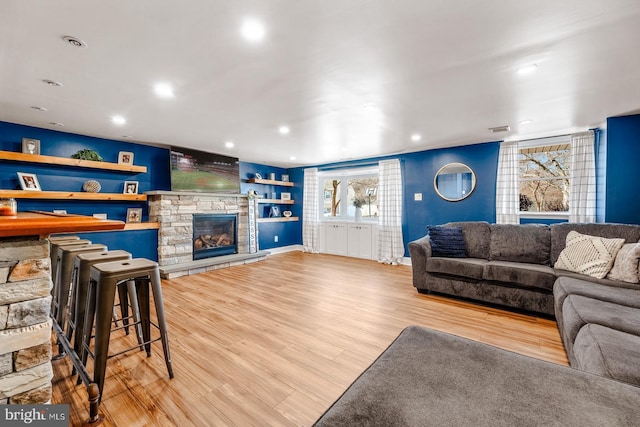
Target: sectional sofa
517 266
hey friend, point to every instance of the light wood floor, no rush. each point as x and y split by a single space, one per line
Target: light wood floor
274 343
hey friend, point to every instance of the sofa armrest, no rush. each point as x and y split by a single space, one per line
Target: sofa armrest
419 250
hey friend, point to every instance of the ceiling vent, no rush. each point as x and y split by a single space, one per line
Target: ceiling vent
500 129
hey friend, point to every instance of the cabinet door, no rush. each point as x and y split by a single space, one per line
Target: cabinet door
359 241
336 239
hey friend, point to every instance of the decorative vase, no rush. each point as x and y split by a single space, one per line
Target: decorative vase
358 214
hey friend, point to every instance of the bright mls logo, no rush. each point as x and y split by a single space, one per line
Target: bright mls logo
34 415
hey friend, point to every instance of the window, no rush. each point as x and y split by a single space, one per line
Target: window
545 176
342 190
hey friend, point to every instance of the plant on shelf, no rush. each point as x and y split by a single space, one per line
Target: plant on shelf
358 203
87 154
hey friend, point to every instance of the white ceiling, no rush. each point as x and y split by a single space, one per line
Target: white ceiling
351 78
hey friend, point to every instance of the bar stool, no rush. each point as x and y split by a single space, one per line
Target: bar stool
80 284
62 284
53 252
103 280
56 239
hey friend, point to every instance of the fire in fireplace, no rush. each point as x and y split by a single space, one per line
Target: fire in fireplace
214 235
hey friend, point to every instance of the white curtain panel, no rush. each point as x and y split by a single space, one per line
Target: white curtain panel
582 192
390 243
310 212
507 185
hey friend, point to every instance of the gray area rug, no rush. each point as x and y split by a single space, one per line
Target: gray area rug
430 378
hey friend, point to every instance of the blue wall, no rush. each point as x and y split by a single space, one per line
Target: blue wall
623 160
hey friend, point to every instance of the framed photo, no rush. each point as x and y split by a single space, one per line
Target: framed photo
125 158
29 181
130 187
134 215
285 178
285 196
30 146
274 212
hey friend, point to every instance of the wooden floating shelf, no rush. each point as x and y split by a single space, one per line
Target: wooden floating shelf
279 219
277 201
63 161
130 226
70 195
270 181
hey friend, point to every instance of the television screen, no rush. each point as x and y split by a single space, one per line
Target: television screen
193 170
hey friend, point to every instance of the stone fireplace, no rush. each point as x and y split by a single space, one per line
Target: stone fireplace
176 211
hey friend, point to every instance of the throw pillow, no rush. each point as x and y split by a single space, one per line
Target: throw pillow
447 242
625 266
589 255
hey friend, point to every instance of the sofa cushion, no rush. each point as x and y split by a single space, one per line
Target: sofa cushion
590 255
579 311
559 231
625 266
477 237
528 243
605 281
447 242
471 268
520 274
609 353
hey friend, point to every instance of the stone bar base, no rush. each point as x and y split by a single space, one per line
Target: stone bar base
25 327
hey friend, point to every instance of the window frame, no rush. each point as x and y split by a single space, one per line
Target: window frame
343 175
543 142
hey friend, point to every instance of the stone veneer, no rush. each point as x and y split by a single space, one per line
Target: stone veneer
174 212
25 327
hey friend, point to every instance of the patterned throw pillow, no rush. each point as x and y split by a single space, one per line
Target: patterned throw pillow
447 242
625 267
588 255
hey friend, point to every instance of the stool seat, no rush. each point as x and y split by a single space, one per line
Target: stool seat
103 281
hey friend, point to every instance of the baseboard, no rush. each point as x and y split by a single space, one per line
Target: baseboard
283 249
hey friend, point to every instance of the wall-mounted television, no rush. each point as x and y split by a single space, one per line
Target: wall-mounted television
193 170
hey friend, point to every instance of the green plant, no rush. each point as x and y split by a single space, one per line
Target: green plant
358 203
87 154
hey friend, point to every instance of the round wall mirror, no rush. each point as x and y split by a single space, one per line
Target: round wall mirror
454 182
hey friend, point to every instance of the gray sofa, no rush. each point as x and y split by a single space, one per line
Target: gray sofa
508 265
511 265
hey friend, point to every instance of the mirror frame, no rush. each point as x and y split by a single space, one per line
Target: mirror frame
449 199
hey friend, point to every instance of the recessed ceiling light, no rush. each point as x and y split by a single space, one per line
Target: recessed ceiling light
525 122
56 124
35 107
51 82
292 158
416 137
229 144
252 30
74 41
527 69
163 90
127 136
118 120
284 130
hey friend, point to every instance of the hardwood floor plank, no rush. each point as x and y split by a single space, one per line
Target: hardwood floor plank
277 341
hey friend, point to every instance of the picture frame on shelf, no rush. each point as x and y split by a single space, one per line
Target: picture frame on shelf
125 158
29 181
285 178
285 196
274 212
30 146
134 215
130 187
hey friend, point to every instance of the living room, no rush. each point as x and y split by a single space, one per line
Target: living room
277 341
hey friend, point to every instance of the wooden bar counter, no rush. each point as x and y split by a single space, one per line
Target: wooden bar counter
43 224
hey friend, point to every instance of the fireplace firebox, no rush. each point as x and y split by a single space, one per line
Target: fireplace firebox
214 235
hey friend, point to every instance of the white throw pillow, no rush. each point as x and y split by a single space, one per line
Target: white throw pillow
588 255
625 267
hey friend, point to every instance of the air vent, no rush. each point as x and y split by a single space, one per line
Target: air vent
500 129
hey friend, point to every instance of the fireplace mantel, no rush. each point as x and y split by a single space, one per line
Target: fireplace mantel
174 210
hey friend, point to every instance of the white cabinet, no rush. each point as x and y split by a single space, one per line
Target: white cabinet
336 238
359 241
354 239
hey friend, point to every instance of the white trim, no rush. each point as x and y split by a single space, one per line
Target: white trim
283 249
541 142
544 215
